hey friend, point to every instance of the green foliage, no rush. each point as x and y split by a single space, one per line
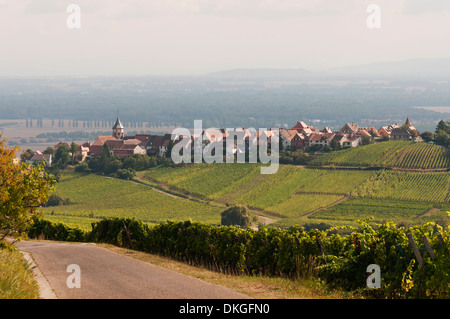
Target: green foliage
56 200
82 168
126 173
62 156
23 189
41 228
123 167
235 215
339 260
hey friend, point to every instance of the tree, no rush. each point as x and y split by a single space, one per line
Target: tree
299 157
442 138
62 156
142 162
443 126
385 138
26 155
104 159
73 150
169 149
49 150
129 162
152 162
113 165
23 189
235 215
427 136
126 173
57 200
366 140
335 145
82 168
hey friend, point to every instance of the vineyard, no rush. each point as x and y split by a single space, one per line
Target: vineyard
175 212
397 154
338 260
295 191
120 198
294 195
381 210
301 204
432 187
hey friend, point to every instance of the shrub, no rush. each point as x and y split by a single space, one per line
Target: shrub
235 215
55 231
56 200
82 168
126 173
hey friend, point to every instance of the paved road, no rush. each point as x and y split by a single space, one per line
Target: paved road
105 274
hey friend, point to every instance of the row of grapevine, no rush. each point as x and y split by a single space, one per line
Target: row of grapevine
301 204
433 187
366 155
125 198
417 156
340 260
398 154
379 210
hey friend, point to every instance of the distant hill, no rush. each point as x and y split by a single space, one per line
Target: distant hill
410 68
415 67
263 72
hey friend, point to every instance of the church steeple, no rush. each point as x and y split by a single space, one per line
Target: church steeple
408 122
118 130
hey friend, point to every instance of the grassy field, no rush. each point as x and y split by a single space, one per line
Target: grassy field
16 279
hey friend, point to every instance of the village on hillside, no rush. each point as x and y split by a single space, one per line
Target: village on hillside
299 137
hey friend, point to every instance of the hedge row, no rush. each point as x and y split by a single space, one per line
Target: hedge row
340 260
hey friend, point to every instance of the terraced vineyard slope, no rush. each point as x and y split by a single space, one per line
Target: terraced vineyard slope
298 195
120 198
396 154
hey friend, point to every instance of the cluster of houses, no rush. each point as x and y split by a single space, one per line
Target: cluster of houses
301 136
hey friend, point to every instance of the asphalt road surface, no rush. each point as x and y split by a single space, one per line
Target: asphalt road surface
86 271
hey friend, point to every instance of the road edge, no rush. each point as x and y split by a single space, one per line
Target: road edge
45 290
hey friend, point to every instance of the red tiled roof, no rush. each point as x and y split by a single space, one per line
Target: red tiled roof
321 137
102 139
300 126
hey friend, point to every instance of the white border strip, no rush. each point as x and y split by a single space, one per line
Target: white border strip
45 290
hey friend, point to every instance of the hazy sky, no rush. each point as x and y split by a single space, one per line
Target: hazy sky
185 37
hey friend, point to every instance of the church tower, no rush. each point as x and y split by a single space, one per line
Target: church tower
118 130
408 122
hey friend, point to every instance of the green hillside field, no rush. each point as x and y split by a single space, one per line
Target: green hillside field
397 154
294 192
294 195
94 197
